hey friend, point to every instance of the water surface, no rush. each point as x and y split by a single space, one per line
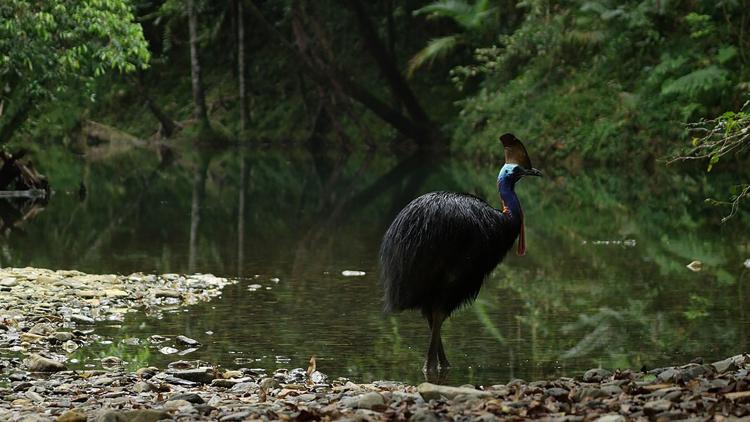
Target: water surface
604 282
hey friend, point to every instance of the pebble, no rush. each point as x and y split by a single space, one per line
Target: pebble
187 341
143 415
72 416
142 387
37 363
82 320
202 375
188 397
596 375
167 293
434 392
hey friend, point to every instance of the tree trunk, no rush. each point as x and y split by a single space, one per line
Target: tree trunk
396 81
199 96
168 126
422 132
241 66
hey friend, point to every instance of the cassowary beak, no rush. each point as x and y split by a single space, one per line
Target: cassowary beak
533 172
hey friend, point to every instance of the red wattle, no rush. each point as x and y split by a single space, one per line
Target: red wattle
522 240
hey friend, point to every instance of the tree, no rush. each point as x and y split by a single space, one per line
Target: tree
47 48
241 66
199 96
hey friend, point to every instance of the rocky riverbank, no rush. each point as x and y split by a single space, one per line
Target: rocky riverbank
55 311
45 314
188 391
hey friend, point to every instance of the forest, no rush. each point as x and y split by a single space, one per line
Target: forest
586 80
274 140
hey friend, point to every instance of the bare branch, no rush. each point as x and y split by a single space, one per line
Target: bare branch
715 138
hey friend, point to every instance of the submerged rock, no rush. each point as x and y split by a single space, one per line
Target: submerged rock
37 363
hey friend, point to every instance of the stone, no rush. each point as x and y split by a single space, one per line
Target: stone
167 293
177 404
37 363
372 401
668 375
424 415
142 415
307 397
147 372
430 391
239 416
187 341
88 294
188 397
588 393
612 417
82 319
34 396
559 394
62 336
72 416
116 293
725 365
9 282
42 329
142 387
268 384
596 375
611 390
656 406
203 375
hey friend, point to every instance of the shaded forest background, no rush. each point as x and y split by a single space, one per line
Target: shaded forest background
582 81
595 77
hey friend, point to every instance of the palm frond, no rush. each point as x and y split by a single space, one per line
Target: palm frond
435 48
469 16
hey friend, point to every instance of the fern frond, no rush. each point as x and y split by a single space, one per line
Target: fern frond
468 16
436 47
695 82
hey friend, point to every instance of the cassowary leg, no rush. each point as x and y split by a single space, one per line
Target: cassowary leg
436 359
437 320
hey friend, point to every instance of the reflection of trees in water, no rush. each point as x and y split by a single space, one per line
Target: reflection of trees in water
199 195
341 196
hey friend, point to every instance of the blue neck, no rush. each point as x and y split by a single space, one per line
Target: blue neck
506 183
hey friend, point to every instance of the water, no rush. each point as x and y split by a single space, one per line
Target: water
604 282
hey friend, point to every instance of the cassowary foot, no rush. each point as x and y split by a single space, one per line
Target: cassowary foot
435 373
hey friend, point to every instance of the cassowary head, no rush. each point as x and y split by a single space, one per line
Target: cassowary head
517 161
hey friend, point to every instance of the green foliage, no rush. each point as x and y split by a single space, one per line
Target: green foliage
469 16
47 48
472 18
603 78
697 82
436 48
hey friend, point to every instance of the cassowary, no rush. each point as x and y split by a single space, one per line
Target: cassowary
442 245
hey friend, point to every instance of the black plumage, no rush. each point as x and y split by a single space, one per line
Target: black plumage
439 249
